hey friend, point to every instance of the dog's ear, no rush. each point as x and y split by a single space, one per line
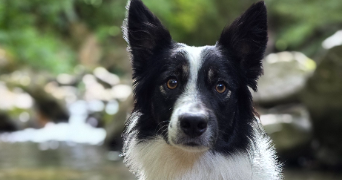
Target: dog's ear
144 33
245 41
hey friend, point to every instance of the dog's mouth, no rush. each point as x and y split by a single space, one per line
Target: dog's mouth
190 144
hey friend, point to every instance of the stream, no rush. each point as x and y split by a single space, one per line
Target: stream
60 161
73 161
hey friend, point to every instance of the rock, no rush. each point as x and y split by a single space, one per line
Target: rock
289 127
6 123
284 76
332 41
32 89
107 77
323 98
115 128
50 109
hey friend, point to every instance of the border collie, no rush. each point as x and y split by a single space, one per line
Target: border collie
193 117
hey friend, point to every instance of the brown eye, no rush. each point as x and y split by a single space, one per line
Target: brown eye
220 87
172 83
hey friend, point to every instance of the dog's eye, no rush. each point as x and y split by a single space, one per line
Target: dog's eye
172 83
220 87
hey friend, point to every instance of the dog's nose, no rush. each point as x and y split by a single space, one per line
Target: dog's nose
193 126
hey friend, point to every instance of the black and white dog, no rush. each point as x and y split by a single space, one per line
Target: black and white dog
193 117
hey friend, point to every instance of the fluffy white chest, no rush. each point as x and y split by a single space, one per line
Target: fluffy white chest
155 160
158 160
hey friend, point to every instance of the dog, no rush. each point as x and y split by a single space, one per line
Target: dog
193 117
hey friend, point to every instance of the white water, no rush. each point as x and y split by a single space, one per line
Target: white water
75 131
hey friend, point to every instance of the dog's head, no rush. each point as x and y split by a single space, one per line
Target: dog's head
197 98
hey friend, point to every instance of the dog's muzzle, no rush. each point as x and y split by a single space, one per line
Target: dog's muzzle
190 127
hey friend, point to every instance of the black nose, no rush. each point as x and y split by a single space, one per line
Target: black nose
193 126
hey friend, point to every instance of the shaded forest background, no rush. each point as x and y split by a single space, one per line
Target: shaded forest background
49 35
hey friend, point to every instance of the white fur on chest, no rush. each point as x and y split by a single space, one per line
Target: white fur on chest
155 160
158 160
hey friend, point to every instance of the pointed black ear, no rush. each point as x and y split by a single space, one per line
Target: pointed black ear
144 33
245 41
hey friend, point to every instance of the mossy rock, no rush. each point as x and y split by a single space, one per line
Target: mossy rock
322 96
285 74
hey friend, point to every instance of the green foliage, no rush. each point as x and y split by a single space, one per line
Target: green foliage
31 32
39 34
301 24
40 51
183 17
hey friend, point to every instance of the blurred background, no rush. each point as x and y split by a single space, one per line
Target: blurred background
65 83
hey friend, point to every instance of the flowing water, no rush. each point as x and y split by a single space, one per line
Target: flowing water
59 161
72 161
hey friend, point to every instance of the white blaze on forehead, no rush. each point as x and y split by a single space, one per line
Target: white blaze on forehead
193 55
189 97
195 63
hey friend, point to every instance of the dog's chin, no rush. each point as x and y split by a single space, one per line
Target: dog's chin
190 145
